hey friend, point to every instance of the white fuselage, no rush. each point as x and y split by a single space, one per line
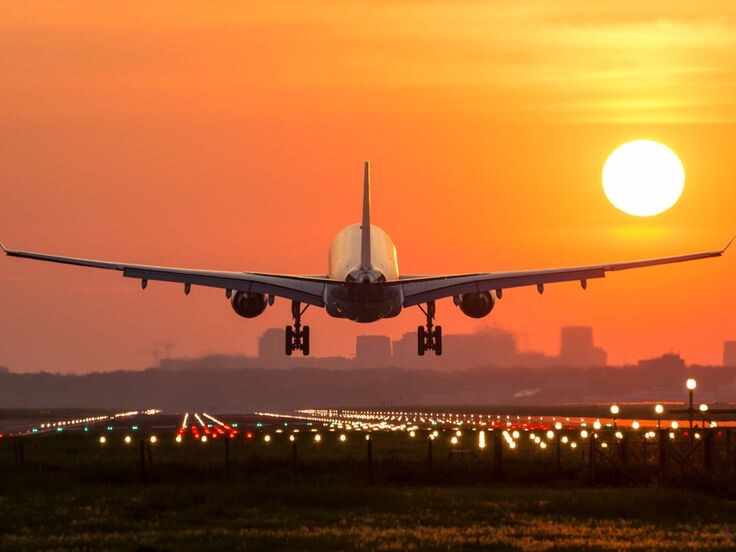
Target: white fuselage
366 301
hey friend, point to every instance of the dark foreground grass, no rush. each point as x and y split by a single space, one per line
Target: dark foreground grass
71 494
227 515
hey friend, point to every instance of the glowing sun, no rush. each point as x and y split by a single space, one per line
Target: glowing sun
643 178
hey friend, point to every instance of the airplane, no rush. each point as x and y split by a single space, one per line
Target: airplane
363 283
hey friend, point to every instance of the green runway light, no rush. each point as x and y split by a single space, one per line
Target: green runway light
260 424
109 428
235 424
209 425
59 429
86 429
134 428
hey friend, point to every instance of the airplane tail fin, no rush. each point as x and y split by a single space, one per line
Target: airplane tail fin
365 241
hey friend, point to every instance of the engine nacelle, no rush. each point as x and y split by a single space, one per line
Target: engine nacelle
249 305
476 305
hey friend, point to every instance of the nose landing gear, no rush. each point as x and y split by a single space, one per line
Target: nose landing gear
429 337
297 337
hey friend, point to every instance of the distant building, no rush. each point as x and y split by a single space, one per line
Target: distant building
271 347
729 353
373 351
492 347
577 349
661 373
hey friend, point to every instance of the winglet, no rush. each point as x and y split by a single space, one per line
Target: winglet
3 248
728 244
365 241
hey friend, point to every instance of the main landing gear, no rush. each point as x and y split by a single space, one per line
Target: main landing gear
429 337
297 337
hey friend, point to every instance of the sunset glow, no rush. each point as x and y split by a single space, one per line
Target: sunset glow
178 134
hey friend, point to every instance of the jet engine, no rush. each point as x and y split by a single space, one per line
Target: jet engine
249 305
476 305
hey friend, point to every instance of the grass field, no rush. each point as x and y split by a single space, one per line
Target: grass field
71 493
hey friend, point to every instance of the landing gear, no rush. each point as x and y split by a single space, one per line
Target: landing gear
297 337
429 337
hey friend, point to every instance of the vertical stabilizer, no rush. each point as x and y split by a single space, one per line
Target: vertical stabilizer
365 239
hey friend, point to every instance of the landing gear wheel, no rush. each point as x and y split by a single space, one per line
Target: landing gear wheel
289 334
438 340
305 341
421 339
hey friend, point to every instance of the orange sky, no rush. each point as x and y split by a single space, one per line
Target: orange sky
220 136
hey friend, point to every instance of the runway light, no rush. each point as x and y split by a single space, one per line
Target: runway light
127 439
615 409
317 438
564 439
515 434
597 425
412 434
367 437
458 433
204 438
453 440
672 434
512 445
583 434
691 384
153 439
675 425
103 440
635 425
573 445
543 445
178 439
703 407
292 438
619 435
659 409
343 438
558 426
550 434
267 438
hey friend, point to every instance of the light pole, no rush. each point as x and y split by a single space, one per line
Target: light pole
691 384
614 412
659 409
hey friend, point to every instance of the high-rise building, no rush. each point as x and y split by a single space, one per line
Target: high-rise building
577 349
729 353
373 351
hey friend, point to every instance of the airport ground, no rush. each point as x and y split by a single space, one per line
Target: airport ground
72 492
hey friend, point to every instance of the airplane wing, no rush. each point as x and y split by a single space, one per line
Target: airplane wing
418 290
305 289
